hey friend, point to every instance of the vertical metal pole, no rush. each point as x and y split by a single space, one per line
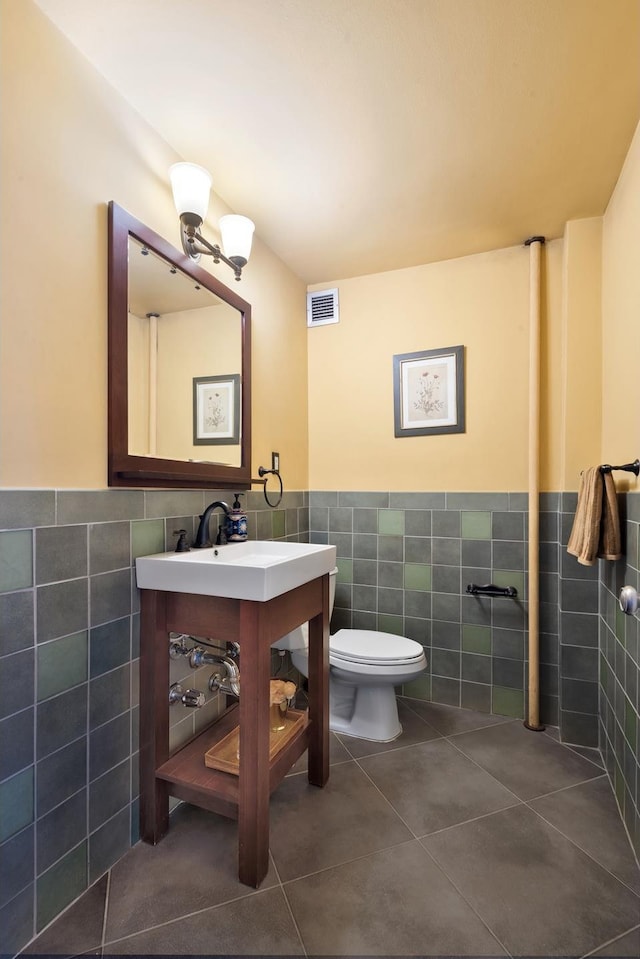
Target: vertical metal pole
535 244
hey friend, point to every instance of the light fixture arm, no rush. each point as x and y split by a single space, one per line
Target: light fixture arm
194 244
191 185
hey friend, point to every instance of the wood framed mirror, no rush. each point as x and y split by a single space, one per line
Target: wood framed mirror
179 382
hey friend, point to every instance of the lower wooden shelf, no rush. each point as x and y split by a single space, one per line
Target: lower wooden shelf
225 755
189 778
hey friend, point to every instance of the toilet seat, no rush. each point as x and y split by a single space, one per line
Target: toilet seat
373 648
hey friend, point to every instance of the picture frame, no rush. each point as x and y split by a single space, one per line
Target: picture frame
428 392
216 410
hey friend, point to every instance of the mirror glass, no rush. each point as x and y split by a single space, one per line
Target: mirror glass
184 358
179 367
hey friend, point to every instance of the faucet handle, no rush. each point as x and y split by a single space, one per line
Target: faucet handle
221 538
188 697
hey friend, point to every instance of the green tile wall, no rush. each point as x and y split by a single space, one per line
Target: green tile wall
16 560
404 561
69 613
69 644
619 673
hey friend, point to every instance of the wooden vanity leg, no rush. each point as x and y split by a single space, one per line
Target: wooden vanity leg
154 715
319 692
253 795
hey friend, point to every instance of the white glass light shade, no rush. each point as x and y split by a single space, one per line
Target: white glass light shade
237 233
191 186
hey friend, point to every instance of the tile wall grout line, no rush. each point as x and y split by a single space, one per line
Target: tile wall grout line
88 723
61 803
34 786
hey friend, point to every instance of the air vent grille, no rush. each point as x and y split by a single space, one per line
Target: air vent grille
322 308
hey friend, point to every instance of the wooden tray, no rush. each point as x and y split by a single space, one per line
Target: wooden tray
224 755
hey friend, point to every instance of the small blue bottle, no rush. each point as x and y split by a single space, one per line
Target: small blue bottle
236 522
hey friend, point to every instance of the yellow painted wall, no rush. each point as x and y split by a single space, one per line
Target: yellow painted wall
70 144
479 301
621 320
581 363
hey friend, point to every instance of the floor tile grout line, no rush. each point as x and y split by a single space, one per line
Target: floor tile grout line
189 915
518 802
287 903
406 701
584 782
610 941
480 729
579 783
562 789
407 842
386 798
106 910
303 772
486 771
395 749
572 747
544 795
444 872
381 752
517 799
348 862
466 822
501 721
585 851
636 853
294 920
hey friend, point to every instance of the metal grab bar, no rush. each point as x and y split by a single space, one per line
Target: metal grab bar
491 590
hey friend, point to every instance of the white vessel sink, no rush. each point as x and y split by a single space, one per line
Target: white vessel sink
255 569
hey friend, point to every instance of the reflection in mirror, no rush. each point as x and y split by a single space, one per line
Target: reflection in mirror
179 367
179 335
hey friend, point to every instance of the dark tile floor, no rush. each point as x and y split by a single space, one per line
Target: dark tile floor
467 836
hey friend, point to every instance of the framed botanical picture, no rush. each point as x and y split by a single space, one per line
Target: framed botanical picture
428 392
216 410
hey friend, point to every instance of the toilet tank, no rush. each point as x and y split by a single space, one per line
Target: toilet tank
298 638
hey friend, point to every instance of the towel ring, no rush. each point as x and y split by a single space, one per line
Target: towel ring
262 482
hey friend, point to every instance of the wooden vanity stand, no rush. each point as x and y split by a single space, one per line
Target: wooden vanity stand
245 797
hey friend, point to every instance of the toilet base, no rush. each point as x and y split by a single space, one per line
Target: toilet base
364 712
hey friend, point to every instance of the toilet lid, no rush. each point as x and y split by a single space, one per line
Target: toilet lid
371 646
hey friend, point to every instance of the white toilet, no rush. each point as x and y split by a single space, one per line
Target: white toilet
365 666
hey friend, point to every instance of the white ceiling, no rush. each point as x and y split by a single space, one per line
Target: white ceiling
367 135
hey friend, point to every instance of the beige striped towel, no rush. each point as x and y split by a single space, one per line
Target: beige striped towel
596 526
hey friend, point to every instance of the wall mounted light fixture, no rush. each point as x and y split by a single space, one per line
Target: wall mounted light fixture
191 186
